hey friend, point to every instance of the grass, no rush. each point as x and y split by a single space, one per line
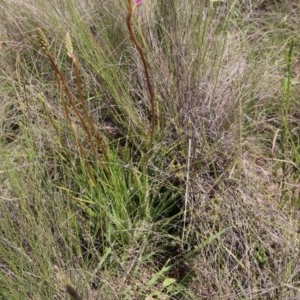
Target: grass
153 158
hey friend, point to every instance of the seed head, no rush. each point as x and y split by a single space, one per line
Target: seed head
42 39
68 44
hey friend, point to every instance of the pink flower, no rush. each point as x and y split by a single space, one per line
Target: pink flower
138 2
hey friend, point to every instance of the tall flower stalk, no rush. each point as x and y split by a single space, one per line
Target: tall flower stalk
85 118
131 8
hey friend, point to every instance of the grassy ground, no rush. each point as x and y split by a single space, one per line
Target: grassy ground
109 193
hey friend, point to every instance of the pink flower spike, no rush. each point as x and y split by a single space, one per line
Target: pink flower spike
138 2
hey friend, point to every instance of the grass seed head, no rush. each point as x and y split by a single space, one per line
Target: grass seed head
68 44
42 39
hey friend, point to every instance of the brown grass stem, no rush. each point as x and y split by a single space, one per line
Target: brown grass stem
131 8
62 80
85 108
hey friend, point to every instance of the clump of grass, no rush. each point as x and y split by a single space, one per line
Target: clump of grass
112 224
190 207
288 139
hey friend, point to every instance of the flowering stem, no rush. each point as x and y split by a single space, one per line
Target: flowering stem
150 87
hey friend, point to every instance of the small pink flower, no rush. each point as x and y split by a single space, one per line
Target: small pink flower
138 2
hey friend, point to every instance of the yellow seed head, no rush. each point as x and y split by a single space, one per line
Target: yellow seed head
66 282
68 44
42 39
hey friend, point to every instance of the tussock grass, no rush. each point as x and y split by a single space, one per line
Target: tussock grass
188 189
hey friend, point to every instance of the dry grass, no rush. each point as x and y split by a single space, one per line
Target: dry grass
226 78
